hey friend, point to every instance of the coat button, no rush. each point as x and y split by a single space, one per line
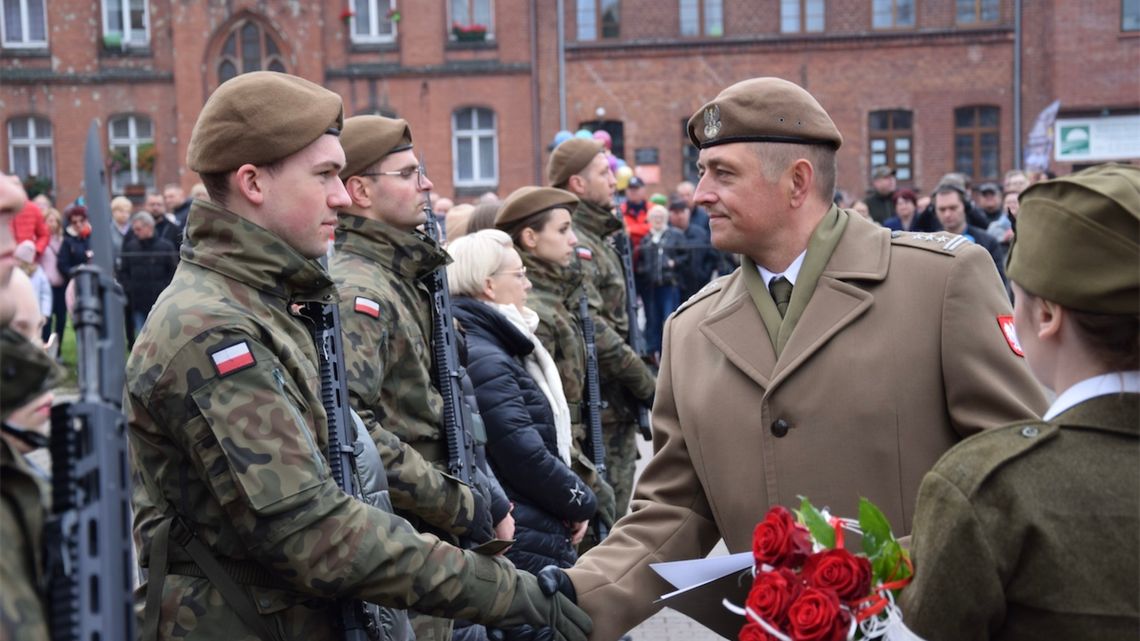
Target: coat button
1030 431
780 428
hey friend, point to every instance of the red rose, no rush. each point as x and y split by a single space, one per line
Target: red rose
779 541
772 593
753 632
816 616
839 570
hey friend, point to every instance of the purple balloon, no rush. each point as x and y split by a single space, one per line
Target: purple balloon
613 162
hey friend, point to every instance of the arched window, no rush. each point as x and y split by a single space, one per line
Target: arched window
474 147
29 147
248 47
132 151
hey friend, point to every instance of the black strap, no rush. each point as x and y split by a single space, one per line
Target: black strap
234 596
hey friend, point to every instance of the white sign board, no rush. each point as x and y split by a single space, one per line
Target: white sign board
1097 139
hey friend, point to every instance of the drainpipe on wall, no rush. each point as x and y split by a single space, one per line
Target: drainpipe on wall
1017 159
536 116
561 65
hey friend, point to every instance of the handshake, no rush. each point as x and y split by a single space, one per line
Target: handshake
545 609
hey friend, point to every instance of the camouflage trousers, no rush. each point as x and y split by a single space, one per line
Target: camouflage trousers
430 628
621 460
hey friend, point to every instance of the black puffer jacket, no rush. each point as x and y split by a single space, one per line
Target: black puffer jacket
521 440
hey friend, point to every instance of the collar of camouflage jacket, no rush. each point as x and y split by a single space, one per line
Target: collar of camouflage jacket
410 255
221 241
552 277
596 220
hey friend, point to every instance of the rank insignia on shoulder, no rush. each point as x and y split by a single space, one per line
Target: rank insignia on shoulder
231 359
584 253
1010 333
367 306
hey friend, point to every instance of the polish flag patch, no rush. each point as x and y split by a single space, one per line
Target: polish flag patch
584 253
1010 334
367 306
232 359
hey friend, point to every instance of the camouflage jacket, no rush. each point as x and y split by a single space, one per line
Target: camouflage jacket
373 338
27 372
228 431
619 365
386 315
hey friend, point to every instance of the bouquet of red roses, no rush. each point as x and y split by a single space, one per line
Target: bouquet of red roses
808 587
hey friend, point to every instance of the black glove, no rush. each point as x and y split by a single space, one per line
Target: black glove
481 529
565 620
552 579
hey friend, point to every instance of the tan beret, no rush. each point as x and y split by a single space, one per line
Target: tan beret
527 201
571 157
763 110
260 118
367 139
1077 240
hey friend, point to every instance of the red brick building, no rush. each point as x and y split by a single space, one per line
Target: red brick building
926 85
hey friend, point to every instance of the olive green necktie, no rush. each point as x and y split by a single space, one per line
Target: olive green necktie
781 289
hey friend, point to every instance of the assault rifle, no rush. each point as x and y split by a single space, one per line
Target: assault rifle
448 372
88 536
358 621
635 340
593 404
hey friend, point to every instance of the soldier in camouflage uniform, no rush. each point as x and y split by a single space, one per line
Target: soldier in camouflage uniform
381 264
580 167
227 427
556 280
27 373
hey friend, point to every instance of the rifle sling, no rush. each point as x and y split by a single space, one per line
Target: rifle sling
210 568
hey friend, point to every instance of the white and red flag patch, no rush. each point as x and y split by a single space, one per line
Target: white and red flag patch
233 358
584 253
1010 334
367 306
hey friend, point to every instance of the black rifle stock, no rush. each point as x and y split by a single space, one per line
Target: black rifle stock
447 371
635 339
356 620
88 536
593 405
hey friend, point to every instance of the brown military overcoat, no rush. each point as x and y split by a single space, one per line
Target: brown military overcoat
897 355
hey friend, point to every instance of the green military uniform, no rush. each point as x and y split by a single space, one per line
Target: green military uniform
27 373
384 387
554 298
228 431
625 378
1030 531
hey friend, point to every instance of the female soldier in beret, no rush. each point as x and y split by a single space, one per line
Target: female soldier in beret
538 220
1029 531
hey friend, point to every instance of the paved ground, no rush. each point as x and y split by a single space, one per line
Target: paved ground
670 625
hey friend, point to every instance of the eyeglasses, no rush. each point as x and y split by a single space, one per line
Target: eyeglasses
519 273
405 173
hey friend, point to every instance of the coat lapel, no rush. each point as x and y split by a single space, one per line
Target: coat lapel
863 254
735 316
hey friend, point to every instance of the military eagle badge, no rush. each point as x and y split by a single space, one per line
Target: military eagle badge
712 122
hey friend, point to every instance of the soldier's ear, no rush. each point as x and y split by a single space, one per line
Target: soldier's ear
359 190
1049 317
250 183
529 239
802 178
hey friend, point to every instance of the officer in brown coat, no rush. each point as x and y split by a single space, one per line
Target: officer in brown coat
1030 531
839 361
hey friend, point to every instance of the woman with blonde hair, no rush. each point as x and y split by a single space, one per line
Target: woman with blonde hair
49 261
520 396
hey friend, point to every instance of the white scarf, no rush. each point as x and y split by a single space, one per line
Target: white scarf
541 367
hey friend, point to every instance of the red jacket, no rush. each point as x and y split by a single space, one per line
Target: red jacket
636 217
29 225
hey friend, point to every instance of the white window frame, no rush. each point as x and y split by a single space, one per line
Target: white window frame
894 22
451 20
704 16
26 43
475 134
32 142
800 18
132 142
378 11
127 32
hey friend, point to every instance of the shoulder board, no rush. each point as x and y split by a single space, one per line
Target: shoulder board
975 459
938 242
708 290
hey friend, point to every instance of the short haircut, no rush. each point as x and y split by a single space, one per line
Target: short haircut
776 157
949 189
476 257
143 217
121 202
171 186
483 217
